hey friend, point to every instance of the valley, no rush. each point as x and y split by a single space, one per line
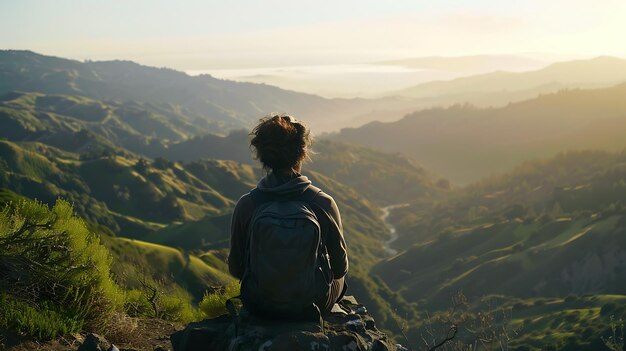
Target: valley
450 214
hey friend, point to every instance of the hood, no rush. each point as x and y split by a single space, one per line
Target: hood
275 185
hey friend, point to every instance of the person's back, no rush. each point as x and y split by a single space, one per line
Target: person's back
287 245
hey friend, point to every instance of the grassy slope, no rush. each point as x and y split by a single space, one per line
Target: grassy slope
112 189
548 229
173 267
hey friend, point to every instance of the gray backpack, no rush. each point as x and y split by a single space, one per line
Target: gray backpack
287 264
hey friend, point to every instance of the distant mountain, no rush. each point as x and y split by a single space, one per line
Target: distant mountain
596 72
206 103
196 105
464 143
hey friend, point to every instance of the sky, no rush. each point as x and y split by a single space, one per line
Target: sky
196 35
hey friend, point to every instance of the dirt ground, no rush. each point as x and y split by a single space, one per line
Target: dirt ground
145 335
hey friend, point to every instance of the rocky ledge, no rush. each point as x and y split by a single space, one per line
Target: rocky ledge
348 328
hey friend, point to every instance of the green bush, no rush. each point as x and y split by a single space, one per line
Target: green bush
214 304
178 308
175 306
54 274
136 304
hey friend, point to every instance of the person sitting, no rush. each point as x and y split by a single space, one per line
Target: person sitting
287 245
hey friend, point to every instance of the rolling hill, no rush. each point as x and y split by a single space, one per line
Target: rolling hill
599 71
198 104
549 229
464 143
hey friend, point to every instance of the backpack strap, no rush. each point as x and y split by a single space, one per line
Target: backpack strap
261 197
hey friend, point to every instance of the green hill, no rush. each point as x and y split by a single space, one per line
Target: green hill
116 191
464 143
176 269
548 229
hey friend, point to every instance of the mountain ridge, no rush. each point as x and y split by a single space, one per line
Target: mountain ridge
465 143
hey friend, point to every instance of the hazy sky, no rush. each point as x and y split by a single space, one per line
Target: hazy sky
204 34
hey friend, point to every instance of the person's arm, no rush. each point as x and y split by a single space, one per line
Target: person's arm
237 240
335 242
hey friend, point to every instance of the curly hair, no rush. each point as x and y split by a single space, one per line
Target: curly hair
281 143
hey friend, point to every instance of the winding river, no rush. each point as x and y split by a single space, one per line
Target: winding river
392 229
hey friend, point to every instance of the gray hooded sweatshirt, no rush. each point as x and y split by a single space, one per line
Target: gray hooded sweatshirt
332 229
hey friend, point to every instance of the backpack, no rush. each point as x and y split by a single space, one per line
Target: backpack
287 264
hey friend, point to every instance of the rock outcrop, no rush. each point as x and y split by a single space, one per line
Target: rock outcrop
348 328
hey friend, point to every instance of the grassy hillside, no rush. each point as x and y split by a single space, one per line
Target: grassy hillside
117 191
547 230
174 269
464 143
89 126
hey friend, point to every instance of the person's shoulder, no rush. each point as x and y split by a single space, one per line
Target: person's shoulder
323 199
247 197
244 202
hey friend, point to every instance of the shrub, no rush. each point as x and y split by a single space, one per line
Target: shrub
214 304
54 274
178 308
136 304
174 306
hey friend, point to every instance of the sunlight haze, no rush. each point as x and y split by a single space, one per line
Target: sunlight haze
207 34
298 46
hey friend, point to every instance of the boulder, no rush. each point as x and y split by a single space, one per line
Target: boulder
348 328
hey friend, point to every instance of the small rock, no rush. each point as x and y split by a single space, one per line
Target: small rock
95 342
350 299
338 309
